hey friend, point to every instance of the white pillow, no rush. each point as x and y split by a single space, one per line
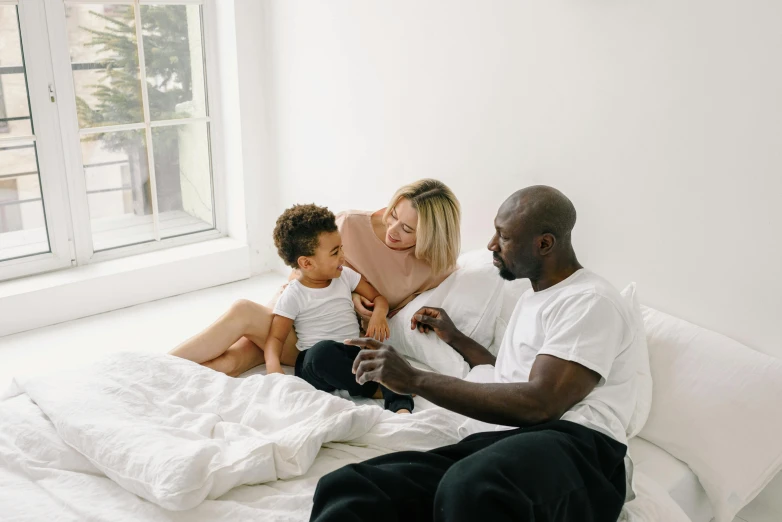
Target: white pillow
717 406
470 296
643 395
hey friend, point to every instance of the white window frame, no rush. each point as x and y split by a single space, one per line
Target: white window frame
64 191
38 68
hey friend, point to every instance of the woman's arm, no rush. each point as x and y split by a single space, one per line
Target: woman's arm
272 349
363 306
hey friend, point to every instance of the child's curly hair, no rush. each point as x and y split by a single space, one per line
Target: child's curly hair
297 230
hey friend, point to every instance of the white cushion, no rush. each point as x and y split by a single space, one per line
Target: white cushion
470 296
643 381
717 406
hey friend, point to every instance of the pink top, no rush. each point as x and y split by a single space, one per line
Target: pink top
397 274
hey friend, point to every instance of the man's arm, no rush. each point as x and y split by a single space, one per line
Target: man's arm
554 386
435 319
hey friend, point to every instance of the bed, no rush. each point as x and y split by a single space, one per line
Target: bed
52 464
152 437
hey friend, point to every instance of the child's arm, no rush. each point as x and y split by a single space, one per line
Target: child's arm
272 349
378 325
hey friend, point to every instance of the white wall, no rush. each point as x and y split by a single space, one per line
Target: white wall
661 120
245 146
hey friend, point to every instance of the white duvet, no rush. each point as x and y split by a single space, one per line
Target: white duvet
154 437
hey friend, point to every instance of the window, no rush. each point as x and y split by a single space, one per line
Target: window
123 164
22 222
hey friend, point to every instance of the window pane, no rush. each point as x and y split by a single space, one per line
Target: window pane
14 107
118 189
10 43
22 220
104 57
184 179
173 53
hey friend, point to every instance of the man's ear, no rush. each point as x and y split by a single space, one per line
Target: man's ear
305 263
546 243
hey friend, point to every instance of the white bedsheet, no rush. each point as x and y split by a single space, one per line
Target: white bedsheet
54 455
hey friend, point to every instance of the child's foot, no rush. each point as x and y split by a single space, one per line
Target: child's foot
402 411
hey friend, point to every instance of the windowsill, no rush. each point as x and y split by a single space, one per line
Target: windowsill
73 293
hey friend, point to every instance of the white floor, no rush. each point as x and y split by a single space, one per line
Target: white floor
152 327
155 327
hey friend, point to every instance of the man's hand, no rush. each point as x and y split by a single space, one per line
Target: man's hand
382 364
363 306
435 319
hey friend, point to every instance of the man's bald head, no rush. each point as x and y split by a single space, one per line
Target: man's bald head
544 210
533 235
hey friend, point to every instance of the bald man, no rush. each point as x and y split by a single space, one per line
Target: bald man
561 395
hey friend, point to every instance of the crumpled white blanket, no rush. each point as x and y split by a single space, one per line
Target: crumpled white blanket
175 433
87 445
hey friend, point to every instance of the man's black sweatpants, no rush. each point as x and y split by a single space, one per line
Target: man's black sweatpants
554 472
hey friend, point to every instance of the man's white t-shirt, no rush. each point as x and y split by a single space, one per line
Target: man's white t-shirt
321 314
581 319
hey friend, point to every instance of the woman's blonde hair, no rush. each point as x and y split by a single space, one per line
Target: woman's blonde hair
438 234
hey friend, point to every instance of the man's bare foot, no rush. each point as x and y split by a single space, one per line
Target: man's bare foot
403 411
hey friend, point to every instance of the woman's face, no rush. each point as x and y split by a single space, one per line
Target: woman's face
401 225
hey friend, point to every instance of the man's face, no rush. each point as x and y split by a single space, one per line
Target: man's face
512 244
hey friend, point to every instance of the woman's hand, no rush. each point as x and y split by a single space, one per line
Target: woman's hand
363 306
378 329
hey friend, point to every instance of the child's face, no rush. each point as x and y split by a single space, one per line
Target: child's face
329 258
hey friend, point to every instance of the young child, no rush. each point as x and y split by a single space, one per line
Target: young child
319 305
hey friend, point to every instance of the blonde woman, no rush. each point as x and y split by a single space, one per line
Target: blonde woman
402 250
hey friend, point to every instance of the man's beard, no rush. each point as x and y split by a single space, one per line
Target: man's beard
504 272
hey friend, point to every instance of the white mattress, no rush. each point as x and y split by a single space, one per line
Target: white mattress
674 476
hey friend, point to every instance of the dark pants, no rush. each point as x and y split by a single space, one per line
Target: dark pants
558 471
328 366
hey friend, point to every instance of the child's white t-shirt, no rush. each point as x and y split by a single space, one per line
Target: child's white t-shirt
321 314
